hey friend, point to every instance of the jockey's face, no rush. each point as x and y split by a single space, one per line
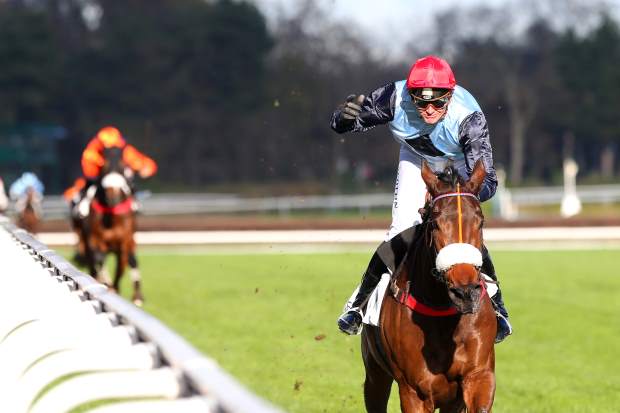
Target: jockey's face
432 104
431 114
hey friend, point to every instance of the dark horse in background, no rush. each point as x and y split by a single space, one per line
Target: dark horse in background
111 225
437 324
29 215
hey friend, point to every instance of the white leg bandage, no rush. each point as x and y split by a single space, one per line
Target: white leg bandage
134 273
104 275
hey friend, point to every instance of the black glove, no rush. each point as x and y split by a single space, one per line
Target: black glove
352 107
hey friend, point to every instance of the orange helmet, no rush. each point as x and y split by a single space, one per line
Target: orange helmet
110 137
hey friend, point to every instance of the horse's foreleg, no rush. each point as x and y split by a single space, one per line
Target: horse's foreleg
134 272
377 387
479 391
378 382
95 264
457 406
410 402
102 272
121 263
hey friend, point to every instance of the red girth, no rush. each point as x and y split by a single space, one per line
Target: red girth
418 307
122 208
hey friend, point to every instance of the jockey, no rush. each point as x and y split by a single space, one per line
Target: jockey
19 190
435 120
93 161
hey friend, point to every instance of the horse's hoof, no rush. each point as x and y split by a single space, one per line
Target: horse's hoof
138 302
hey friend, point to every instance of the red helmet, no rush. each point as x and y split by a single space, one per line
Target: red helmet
431 72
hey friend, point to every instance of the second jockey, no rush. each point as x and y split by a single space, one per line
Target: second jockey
27 184
93 160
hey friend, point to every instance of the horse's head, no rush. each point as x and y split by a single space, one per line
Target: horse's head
114 189
114 186
455 220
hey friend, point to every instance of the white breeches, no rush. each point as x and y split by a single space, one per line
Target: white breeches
409 194
410 191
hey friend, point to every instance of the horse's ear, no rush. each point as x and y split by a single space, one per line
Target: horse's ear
477 177
430 178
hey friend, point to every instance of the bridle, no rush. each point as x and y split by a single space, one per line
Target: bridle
458 194
456 253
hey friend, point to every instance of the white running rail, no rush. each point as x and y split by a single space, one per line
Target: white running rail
68 342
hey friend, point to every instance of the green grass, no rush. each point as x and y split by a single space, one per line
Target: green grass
263 318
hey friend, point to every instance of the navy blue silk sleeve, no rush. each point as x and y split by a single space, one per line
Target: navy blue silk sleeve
476 144
377 109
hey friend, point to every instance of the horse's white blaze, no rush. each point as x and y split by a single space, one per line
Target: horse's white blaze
115 180
458 253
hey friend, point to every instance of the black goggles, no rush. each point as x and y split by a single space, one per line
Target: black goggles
438 103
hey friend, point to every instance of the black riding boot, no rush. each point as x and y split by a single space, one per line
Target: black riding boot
504 329
351 321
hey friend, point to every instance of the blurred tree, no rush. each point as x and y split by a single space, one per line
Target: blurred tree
206 89
315 64
29 65
173 75
588 68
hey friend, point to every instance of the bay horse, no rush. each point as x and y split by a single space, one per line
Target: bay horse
437 324
111 225
29 215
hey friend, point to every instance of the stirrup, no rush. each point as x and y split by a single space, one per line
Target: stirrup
504 328
350 322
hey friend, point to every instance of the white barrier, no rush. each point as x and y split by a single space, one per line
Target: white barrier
66 341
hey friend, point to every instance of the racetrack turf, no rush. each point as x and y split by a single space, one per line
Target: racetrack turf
270 321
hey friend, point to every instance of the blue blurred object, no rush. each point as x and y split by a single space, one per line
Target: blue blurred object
21 185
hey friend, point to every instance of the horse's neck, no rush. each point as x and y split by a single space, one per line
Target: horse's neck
424 286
